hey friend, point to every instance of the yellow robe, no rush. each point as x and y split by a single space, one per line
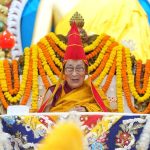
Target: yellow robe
78 97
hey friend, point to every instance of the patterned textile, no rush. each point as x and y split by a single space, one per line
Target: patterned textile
102 131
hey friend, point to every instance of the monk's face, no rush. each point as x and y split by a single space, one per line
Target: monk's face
75 72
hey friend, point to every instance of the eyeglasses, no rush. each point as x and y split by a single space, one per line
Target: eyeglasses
70 70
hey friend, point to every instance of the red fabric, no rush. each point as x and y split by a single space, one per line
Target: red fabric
98 98
91 120
56 96
42 108
75 49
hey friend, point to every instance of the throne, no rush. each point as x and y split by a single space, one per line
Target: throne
121 79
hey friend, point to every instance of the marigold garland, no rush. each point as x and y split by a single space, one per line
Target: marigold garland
28 83
3 77
16 76
2 98
42 74
55 47
109 77
131 80
46 67
98 48
138 76
7 69
52 54
17 98
57 41
100 56
35 92
43 57
119 79
42 45
103 62
95 43
111 53
86 48
127 88
8 76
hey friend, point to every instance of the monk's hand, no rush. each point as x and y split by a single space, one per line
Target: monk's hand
80 109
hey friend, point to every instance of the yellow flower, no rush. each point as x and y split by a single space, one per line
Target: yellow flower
17 98
34 104
46 67
107 67
119 79
86 48
3 82
52 53
100 56
131 80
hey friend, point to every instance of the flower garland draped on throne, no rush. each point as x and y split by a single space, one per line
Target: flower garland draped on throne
109 61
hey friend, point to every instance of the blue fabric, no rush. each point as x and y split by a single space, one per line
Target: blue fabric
114 131
14 126
19 127
146 6
31 129
27 22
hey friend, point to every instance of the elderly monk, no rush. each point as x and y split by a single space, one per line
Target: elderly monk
73 92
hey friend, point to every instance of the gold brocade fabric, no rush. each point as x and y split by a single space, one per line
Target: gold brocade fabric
125 20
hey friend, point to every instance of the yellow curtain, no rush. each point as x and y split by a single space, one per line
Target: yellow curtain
122 19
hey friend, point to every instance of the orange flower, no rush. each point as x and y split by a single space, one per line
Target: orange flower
3 100
127 89
110 76
55 47
99 47
103 62
141 90
28 83
48 58
7 69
